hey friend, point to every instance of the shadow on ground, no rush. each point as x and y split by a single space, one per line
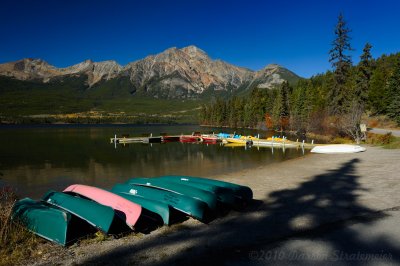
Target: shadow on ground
321 205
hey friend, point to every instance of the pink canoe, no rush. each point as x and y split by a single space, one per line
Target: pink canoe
131 210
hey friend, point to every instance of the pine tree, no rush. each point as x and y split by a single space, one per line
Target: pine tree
393 93
363 77
280 112
341 63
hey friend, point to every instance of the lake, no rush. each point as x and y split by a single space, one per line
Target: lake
34 159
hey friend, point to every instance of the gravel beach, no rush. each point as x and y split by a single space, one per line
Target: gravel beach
306 198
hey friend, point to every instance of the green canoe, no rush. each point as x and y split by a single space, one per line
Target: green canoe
209 198
182 203
224 195
49 222
242 193
97 215
150 204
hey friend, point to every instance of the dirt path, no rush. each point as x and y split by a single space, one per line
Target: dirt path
297 197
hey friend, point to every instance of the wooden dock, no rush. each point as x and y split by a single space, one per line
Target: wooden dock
281 143
127 140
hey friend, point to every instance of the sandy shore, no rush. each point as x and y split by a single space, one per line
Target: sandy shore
297 197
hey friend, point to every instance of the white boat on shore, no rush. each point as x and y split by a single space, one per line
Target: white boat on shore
338 148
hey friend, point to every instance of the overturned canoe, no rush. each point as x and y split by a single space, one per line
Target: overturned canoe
224 195
159 208
338 149
209 198
50 222
127 210
98 215
182 203
243 193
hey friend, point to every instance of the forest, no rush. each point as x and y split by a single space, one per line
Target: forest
332 103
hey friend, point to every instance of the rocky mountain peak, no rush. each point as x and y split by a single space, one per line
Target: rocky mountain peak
194 51
174 73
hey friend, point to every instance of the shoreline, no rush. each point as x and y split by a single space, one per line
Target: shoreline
291 197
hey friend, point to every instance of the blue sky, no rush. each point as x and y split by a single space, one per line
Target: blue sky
252 34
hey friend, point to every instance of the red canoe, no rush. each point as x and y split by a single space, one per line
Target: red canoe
190 138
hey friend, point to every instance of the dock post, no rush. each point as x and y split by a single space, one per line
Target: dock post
115 141
302 145
312 142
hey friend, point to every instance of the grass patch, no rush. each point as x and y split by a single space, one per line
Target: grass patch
394 144
16 243
387 141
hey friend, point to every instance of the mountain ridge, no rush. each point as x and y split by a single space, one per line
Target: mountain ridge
186 72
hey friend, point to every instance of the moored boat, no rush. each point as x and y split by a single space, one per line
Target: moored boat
126 209
210 138
167 138
190 138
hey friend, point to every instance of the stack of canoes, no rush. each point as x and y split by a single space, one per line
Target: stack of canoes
137 204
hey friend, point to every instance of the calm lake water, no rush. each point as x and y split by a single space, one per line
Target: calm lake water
34 159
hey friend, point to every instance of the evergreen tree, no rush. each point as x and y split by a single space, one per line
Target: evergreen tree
280 112
363 76
341 63
393 93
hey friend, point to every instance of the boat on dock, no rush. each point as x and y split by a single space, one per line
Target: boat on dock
170 138
207 138
190 138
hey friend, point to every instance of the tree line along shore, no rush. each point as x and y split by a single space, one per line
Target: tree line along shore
334 103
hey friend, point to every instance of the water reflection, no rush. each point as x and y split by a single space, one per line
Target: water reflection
35 159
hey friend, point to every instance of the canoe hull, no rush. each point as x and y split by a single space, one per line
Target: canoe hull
130 210
182 203
243 193
209 198
50 222
338 149
159 208
98 215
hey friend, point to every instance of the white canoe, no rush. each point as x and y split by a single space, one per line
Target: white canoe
338 148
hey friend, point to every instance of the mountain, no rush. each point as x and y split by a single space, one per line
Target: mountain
37 69
173 74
